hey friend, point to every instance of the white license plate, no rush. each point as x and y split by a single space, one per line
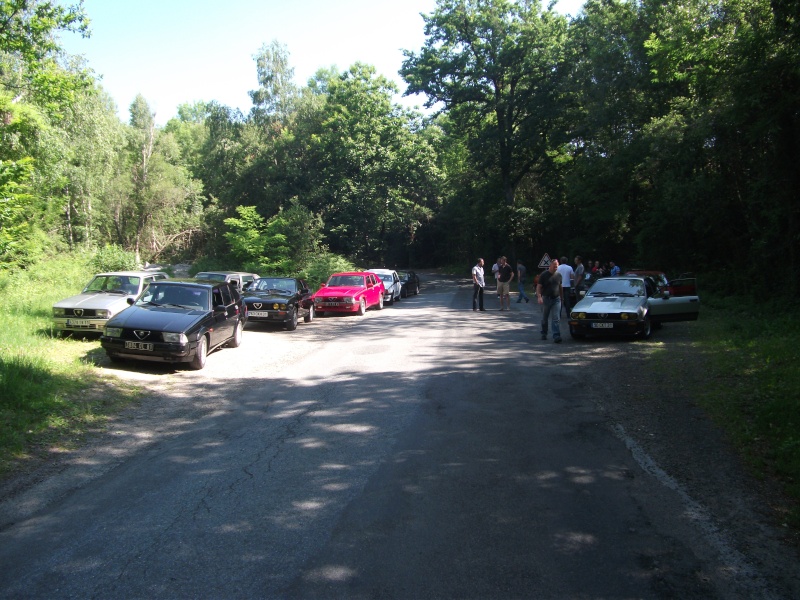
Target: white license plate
602 326
333 304
79 322
258 313
139 346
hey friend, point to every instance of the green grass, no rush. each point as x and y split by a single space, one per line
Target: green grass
751 385
50 388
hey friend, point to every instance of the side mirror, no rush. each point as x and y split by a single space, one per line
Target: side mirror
130 301
219 308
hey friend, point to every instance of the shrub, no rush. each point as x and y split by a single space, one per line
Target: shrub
114 258
321 266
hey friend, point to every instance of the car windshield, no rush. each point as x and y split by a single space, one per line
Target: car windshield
184 296
346 281
114 284
386 277
211 276
617 287
274 284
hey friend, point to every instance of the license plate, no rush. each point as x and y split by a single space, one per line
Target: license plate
79 322
332 303
602 326
139 346
258 313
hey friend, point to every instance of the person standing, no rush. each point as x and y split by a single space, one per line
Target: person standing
496 273
580 278
567 275
548 293
477 286
521 272
615 271
504 283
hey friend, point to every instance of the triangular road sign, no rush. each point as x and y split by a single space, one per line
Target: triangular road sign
545 262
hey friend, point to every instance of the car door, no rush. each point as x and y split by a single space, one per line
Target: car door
224 318
663 306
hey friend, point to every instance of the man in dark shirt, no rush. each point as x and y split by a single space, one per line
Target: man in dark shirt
504 284
548 293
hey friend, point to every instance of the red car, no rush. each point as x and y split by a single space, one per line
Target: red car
350 293
685 285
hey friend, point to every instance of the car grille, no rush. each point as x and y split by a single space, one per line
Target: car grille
80 313
131 334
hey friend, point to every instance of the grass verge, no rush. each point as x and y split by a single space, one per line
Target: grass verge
751 387
51 392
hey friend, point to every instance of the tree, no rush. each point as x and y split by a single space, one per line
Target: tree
494 64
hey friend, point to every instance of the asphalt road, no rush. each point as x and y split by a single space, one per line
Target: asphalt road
421 451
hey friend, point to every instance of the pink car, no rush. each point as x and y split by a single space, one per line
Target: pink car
350 293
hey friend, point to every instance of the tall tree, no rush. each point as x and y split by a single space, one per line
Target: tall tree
494 64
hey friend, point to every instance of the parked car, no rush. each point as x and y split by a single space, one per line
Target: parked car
629 305
102 298
177 321
685 285
350 293
239 279
391 282
409 283
279 300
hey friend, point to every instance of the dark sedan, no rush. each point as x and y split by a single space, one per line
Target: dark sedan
409 283
281 300
177 321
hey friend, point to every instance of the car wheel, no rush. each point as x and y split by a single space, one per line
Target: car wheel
236 340
115 358
575 335
309 315
416 289
199 360
647 330
403 292
362 307
380 303
291 325
320 313
390 301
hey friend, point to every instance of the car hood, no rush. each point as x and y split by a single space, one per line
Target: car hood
339 291
159 318
95 300
609 304
268 298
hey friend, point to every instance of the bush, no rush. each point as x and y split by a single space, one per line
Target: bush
321 266
114 258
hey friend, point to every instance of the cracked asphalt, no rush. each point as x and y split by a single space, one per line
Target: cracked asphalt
421 451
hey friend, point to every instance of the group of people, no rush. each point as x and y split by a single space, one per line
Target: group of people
560 285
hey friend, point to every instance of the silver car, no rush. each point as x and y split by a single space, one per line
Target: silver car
631 305
391 281
104 296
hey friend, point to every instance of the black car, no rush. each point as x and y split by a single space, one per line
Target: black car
177 321
409 283
279 300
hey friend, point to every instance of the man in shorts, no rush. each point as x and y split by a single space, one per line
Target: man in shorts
506 274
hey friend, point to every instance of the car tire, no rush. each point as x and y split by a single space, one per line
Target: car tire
362 307
309 315
416 289
403 292
647 330
380 303
320 313
199 360
575 335
291 324
391 301
236 340
115 358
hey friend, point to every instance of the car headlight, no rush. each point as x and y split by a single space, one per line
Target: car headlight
350 300
627 315
175 338
103 314
277 306
578 315
58 312
114 332
317 300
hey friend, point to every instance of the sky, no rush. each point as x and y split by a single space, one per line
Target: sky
180 51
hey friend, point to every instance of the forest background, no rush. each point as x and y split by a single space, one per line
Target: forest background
656 134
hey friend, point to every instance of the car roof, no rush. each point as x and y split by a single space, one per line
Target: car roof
352 273
191 282
224 273
129 273
382 271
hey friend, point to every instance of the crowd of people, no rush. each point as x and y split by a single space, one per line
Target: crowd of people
556 288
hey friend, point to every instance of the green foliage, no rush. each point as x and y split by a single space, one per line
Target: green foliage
322 266
114 258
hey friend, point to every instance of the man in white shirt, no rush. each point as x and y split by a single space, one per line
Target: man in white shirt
567 281
478 285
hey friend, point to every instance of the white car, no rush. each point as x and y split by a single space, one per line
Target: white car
104 296
391 281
